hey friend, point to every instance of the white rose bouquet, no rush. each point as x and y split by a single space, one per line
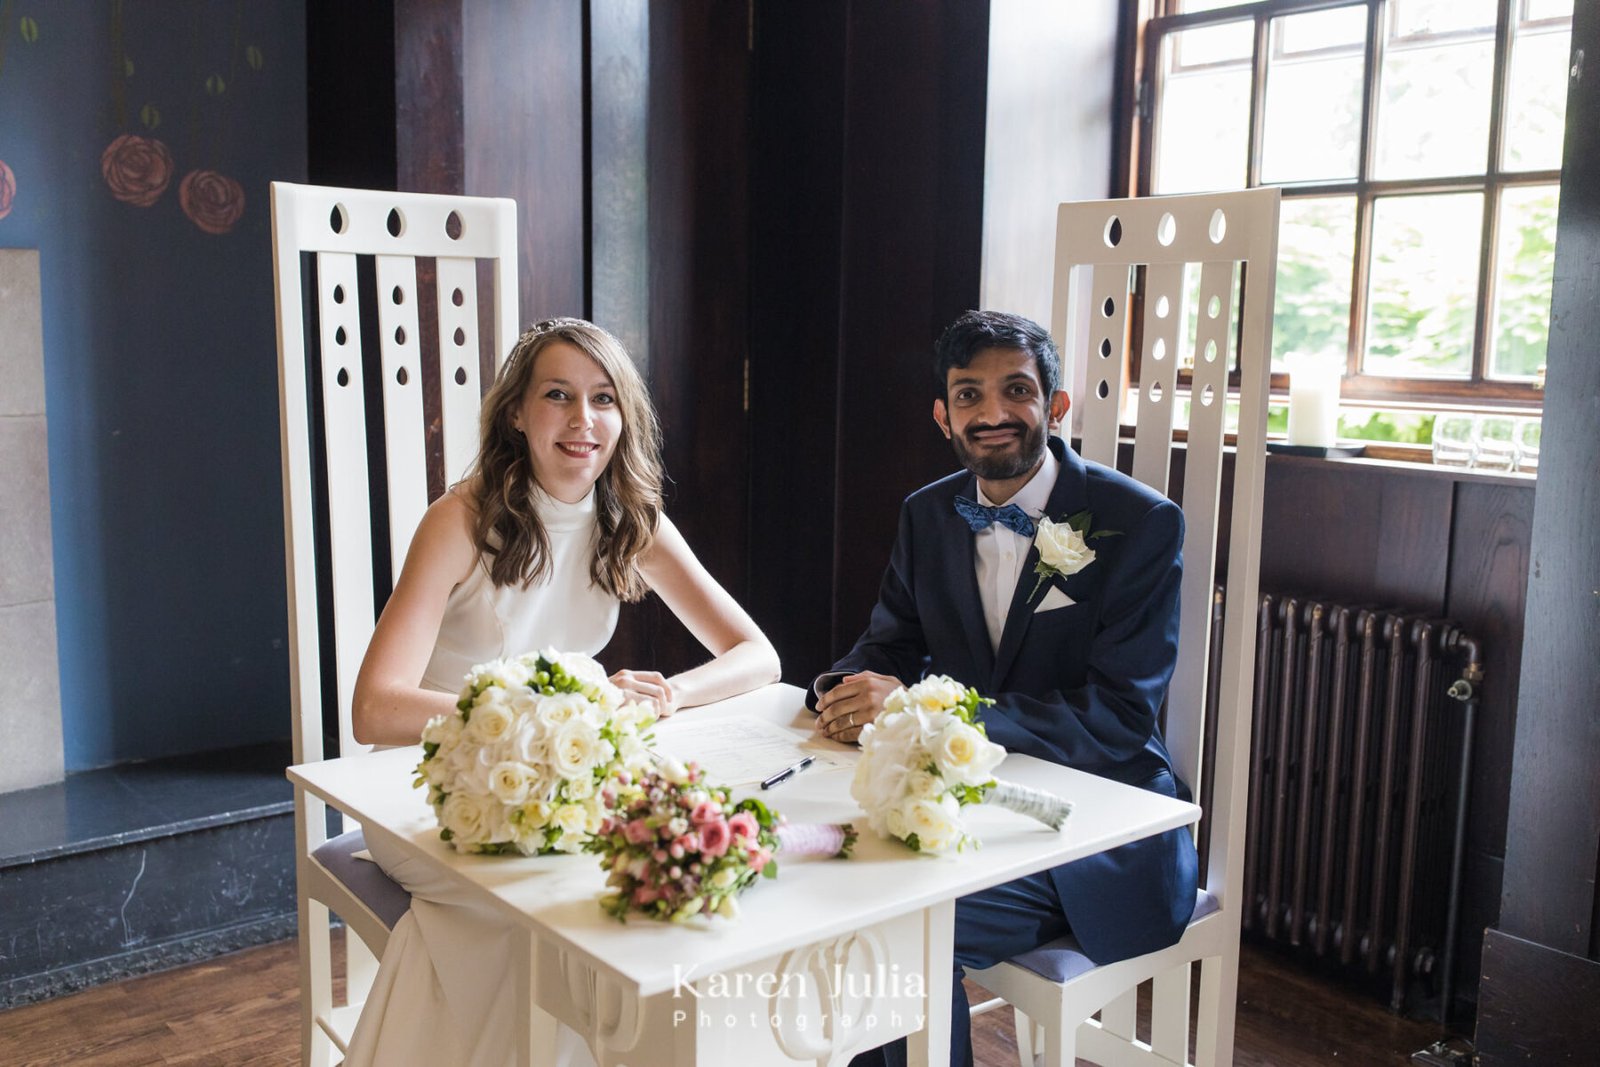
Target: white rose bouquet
926 757
532 757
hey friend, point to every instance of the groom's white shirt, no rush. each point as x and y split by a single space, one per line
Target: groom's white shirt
999 553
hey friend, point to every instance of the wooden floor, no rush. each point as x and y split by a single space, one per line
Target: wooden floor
243 1010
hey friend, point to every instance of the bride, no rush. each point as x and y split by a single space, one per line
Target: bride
558 522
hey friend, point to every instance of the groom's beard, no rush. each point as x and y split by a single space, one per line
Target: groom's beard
999 466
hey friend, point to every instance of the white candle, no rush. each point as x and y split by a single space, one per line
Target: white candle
1313 401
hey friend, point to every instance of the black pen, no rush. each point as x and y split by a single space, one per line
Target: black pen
787 773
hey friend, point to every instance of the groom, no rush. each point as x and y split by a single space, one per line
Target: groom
1077 665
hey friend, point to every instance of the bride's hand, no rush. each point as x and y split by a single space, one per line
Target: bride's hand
647 687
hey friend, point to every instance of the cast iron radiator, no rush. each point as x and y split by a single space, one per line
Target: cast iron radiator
1360 752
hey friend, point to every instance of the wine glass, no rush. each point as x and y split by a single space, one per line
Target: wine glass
1527 437
1497 445
1455 435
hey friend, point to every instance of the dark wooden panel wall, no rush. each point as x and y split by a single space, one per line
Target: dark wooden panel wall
620 128
698 264
796 286
522 117
912 247
350 95
867 202
1541 978
427 58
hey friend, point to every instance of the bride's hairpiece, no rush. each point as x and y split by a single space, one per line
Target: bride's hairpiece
559 322
531 334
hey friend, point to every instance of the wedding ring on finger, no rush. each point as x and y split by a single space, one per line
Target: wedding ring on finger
850 721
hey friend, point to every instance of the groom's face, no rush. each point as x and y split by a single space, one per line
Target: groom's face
996 413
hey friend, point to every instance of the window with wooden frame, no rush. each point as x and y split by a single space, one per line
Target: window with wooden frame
1418 147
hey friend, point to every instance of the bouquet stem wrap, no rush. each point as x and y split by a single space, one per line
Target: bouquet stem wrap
816 839
1034 803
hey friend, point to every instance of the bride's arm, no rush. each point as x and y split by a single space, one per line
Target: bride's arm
745 659
390 706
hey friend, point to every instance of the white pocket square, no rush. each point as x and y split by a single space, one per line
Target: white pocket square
1054 599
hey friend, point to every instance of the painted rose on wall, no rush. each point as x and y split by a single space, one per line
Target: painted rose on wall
137 169
8 189
212 201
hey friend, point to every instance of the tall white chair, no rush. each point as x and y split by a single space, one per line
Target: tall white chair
1103 249
340 255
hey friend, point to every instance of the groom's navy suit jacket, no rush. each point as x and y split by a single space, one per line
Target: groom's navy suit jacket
1079 685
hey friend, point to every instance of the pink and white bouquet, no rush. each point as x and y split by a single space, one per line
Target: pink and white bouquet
530 761
678 846
926 757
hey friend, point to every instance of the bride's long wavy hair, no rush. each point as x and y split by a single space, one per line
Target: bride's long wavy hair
507 530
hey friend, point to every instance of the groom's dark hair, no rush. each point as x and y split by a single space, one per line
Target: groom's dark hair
975 331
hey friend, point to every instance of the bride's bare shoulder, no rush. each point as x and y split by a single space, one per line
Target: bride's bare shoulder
459 503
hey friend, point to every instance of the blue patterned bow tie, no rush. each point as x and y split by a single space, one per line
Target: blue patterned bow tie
980 517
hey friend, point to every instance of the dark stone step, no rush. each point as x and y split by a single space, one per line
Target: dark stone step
135 868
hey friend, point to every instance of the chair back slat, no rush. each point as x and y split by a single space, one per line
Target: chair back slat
1106 244
1202 485
400 351
295 449
1230 789
1105 358
342 231
458 364
1163 298
344 420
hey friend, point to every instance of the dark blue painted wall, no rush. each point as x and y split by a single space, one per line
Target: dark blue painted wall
160 359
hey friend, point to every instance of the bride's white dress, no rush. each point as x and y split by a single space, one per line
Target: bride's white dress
444 992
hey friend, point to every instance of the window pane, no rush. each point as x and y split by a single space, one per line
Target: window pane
1342 28
1203 117
1431 18
1547 9
1313 117
1231 43
1422 295
1311 306
1183 405
1522 280
1399 427
1208 5
1433 98
1536 99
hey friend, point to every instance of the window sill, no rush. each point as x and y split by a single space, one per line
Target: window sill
1418 467
1380 456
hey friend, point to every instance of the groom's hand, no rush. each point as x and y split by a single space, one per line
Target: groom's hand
843 710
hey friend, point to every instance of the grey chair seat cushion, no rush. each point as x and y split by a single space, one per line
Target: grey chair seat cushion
1061 960
386 897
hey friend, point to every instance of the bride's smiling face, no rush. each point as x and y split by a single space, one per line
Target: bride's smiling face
571 419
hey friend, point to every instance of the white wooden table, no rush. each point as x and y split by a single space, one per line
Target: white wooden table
832 958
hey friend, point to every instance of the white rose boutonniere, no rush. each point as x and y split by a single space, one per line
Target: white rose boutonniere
1064 547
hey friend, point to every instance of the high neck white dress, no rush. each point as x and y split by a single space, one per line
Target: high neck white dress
444 990
565 610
